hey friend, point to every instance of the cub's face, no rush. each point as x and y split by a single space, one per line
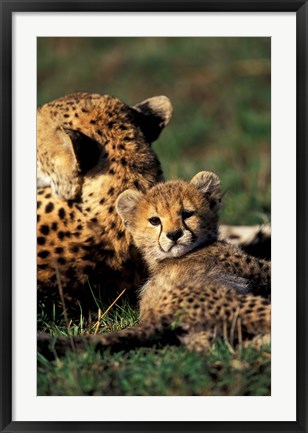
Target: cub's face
174 217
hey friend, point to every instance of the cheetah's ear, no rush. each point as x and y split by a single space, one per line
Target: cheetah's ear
87 151
69 156
209 184
59 167
152 115
79 155
126 205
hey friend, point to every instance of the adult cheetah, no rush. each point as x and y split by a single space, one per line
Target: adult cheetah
90 148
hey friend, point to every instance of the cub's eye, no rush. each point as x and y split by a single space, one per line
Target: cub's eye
187 214
155 221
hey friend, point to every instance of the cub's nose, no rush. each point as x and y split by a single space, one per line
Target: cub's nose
174 236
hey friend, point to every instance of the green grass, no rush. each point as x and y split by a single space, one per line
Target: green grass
118 317
170 371
150 371
220 91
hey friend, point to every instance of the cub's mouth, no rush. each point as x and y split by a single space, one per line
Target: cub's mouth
178 249
179 245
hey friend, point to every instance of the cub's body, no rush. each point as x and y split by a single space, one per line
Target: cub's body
198 288
196 281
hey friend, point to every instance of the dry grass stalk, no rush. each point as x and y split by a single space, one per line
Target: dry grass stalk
60 288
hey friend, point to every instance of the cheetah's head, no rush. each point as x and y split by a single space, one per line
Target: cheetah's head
80 135
172 218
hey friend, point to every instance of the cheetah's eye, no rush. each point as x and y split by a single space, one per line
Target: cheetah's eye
155 221
187 214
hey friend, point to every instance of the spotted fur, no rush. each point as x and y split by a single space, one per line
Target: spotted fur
199 288
90 148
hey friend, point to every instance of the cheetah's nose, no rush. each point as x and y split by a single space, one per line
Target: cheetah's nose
174 236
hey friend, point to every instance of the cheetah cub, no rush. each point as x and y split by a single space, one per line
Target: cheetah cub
199 288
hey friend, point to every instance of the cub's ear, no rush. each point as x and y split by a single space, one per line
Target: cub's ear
209 184
152 115
126 205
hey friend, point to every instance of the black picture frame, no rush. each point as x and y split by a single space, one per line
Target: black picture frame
8 7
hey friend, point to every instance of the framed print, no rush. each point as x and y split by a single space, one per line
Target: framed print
143 304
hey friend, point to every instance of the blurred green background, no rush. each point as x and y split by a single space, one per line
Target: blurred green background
220 91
